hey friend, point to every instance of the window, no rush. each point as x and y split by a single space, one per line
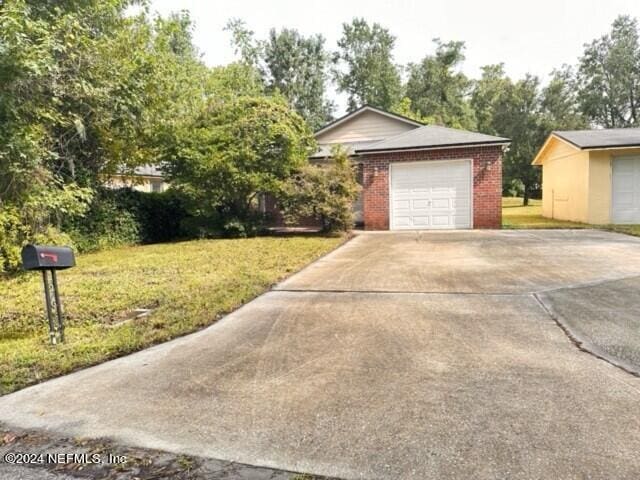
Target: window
156 185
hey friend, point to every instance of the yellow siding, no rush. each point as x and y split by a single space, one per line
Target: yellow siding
599 187
565 182
365 126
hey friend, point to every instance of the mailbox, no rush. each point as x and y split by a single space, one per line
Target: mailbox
48 260
42 257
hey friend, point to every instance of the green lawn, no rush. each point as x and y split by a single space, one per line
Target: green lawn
187 285
514 215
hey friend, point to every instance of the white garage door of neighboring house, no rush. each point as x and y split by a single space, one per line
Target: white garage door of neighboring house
625 188
430 195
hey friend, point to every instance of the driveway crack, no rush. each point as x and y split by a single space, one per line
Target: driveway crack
582 344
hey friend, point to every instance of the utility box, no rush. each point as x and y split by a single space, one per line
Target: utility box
42 257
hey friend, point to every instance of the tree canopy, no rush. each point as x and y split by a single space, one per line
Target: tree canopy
609 76
364 67
290 64
438 90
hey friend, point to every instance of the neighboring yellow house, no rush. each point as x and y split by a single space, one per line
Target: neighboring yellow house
147 178
591 176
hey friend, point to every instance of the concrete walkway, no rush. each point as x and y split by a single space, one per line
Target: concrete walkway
410 356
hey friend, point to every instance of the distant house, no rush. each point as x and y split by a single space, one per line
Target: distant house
413 176
147 178
591 176
419 177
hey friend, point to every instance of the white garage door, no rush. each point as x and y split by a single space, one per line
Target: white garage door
430 195
626 190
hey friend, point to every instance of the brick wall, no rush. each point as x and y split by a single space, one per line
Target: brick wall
487 183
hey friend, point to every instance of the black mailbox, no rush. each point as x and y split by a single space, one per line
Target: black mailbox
48 260
42 257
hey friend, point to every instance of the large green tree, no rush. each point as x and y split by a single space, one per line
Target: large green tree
438 90
242 144
526 113
516 115
609 76
291 64
364 67
82 87
559 106
297 68
486 94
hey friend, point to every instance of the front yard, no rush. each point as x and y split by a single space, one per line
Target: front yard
186 286
514 215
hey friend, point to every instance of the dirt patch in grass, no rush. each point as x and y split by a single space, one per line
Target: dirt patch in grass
186 285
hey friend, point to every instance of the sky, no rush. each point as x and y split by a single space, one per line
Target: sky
528 37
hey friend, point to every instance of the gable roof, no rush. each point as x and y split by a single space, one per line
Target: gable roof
433 136
361 110
592 140
605 138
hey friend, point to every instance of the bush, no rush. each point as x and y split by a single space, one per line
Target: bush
126 217
323 192
13 234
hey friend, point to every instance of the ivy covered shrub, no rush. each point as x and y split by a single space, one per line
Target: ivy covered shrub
324 193
128 217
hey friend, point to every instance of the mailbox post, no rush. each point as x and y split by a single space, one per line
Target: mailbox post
48 260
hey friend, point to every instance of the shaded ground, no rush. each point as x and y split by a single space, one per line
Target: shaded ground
397 356
108 461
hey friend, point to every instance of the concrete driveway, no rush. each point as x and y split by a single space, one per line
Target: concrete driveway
413 356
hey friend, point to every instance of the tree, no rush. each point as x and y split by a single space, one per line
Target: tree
525 113
559 102
609 77
438 91
291 64
297 68
323 192
403 107
234 150
486 94
517 116
85 87
364 67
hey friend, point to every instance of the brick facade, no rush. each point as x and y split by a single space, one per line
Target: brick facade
487 183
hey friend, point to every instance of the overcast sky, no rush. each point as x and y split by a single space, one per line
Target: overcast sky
534 36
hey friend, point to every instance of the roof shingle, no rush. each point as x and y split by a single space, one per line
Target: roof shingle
605 138
432 136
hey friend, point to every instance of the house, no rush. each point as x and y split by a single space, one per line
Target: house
146 178
417 176
591 176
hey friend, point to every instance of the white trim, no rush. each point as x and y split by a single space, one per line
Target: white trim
420 149
362 110
431 162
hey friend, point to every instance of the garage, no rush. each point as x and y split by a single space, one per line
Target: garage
591 176
430 195
625 203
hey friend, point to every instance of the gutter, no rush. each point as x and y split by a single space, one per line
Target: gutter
439 147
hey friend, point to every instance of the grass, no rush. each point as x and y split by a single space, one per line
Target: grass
188 285
514 215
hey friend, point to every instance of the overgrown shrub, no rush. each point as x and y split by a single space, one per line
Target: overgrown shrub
126 217
323 192
13 233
